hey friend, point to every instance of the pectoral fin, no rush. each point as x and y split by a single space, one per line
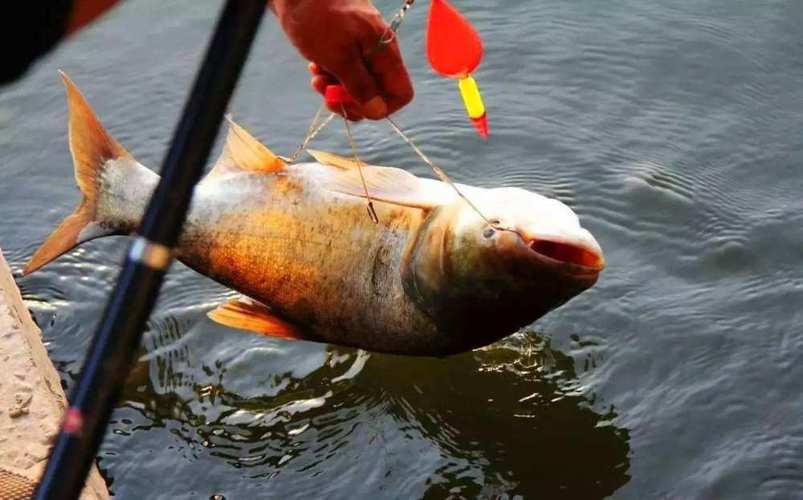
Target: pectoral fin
334 160
246 314
391 185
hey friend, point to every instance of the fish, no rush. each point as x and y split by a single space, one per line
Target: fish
436 276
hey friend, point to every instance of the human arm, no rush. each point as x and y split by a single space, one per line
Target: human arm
337 36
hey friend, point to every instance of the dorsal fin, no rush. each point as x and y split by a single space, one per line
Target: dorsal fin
243 152
333 160
391 185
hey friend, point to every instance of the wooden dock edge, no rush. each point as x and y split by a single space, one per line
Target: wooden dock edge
31 398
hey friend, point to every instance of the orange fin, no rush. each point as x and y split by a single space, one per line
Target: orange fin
91 147
243 152
334 160
391 185
246 314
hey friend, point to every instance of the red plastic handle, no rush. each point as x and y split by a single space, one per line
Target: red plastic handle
337 95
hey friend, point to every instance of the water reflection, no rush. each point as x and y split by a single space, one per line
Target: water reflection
300 419
514 410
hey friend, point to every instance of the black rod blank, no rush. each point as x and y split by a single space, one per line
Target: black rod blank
120 331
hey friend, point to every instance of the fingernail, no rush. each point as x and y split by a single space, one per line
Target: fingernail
375 108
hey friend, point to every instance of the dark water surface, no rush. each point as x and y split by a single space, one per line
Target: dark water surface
674 129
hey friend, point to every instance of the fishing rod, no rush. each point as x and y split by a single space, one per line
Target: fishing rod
120 331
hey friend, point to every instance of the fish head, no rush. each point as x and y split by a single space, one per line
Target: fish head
491 274
525 237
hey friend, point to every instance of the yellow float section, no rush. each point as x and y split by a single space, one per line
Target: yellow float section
471 97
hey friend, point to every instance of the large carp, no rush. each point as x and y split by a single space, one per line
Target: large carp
433 277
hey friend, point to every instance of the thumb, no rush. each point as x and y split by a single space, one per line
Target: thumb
360 83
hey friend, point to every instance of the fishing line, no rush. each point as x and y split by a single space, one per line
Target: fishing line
438 171
312 131
387 37
395 23
371 211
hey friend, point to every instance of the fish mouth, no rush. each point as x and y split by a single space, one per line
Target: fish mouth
581 256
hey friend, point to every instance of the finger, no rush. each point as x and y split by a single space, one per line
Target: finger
317 70
319 83
349 111
394 81
323 79
360 83
352 111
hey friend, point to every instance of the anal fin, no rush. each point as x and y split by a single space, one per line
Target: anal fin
246 314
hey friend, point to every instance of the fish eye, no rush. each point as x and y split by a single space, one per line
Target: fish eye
488 232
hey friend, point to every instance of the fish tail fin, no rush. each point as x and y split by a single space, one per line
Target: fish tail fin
91 148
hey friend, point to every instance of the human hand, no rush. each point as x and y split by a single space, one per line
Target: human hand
338 36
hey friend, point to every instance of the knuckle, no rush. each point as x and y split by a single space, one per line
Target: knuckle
407 95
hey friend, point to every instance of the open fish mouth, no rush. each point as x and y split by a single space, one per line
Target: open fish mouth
586 257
